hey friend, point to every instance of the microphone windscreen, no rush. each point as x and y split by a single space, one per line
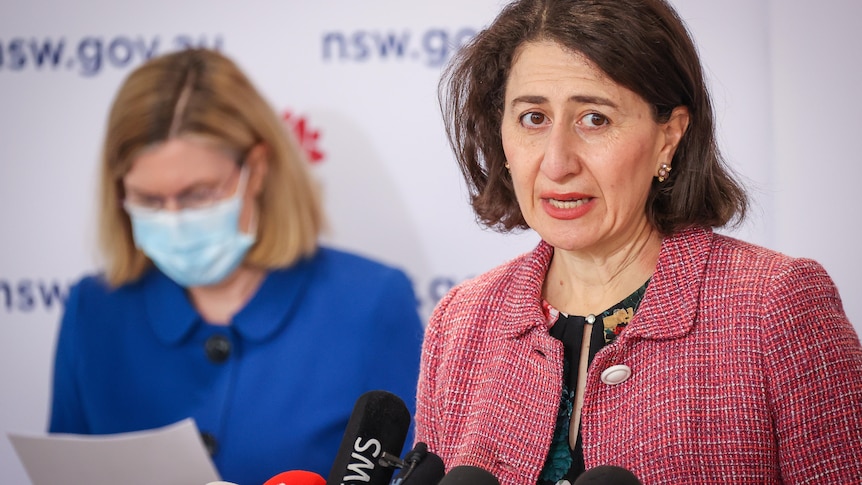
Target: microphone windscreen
469 475
379 423
607 475
296 477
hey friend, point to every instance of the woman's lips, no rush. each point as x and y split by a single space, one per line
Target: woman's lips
567 206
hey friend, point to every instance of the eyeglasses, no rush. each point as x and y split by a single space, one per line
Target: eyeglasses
195 197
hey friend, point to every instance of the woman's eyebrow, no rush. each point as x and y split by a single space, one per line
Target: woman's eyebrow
536 99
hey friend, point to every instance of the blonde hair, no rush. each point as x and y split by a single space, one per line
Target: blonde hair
202 93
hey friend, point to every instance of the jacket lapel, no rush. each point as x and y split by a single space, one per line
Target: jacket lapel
670 304
523 304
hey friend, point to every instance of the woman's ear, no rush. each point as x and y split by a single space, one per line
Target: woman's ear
257 161
674 129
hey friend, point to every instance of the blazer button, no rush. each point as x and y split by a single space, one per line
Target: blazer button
616 374
217 348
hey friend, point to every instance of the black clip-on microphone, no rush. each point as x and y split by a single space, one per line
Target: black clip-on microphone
407 465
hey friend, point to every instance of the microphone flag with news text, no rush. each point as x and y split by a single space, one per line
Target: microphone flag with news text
379 423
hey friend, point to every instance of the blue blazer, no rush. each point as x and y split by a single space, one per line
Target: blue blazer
274 393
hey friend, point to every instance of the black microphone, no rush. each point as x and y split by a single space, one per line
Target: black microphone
607 475
419 466
469 475
379 423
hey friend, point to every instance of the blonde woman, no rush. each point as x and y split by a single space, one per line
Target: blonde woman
216 301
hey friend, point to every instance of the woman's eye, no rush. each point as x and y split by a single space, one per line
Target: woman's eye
148 201
198 198
594 120
533 119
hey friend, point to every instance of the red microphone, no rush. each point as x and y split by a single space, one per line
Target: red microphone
296 477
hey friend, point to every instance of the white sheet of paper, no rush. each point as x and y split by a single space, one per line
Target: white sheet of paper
172 455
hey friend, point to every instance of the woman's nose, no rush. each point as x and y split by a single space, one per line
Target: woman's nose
171 204
561 158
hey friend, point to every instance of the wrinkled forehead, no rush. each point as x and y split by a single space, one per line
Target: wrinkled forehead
546 60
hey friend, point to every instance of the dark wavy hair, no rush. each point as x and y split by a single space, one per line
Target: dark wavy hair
640 44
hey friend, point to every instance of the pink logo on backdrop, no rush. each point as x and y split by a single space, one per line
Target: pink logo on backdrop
308 137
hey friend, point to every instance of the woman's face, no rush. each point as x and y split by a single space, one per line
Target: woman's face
582 149
188 173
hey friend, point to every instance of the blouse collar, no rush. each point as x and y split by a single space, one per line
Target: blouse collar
174 318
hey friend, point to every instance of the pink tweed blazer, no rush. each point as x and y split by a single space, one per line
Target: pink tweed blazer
745 370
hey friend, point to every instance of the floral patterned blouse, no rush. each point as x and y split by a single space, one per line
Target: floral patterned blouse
564 464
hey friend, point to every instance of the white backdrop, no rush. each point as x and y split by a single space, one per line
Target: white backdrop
361 77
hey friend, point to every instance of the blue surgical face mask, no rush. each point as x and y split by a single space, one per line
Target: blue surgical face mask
194 247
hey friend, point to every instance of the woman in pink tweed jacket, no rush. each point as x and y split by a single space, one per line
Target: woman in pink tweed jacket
633 335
